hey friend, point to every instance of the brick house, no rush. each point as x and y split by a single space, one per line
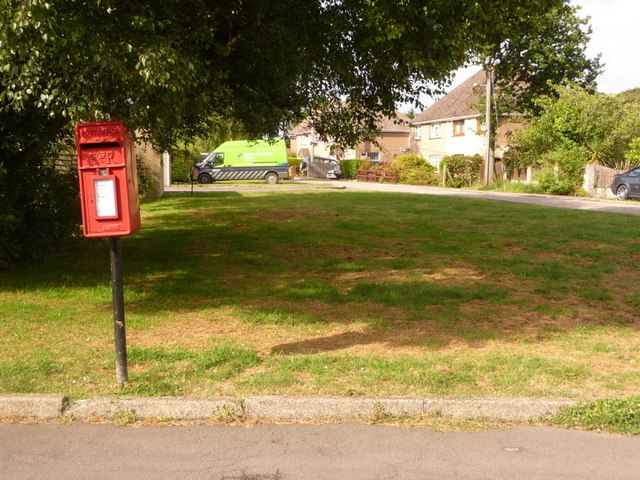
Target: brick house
393 140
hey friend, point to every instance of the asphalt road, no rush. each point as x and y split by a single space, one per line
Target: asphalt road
313 452
575 203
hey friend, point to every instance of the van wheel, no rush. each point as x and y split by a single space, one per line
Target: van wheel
271 178
204 178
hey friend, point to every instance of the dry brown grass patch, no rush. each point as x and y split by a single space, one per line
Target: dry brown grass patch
442 274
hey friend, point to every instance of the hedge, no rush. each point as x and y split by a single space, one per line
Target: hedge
462 170
181 162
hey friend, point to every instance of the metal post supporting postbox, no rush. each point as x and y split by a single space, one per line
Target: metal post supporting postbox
115 251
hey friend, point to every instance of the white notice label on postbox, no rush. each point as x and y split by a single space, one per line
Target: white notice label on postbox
105 197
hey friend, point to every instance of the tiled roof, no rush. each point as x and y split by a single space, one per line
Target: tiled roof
300 129
386 124
458 103
399 123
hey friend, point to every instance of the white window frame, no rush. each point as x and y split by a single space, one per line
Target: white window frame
372 156
435 130
418 135
435 161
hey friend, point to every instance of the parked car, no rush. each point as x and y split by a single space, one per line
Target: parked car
335 173
627 185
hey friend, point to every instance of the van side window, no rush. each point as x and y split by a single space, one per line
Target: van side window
216 159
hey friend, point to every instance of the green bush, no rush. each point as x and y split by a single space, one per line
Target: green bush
513 186
413 169
562 171
420 176
555 182
408 161
461 170
181 162
350 167
633 154
294 162
145 180
366 164
40 209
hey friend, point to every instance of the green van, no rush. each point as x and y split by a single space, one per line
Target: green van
244 160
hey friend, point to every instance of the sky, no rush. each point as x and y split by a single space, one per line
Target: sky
615 35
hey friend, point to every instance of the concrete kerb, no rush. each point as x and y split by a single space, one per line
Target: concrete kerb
272 407
176 408
36 406
327 408
498 409
346 408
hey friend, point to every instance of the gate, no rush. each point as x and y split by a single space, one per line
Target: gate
319 169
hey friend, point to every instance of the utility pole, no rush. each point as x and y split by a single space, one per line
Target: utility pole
313 144
488 158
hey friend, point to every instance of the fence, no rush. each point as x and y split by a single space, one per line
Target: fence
380 176
319 169
65 161
62 162
598 179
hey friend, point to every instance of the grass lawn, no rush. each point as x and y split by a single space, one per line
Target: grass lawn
348 293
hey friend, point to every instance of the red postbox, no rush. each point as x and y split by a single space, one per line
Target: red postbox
108 179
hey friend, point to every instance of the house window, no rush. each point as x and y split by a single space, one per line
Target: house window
304 140
481 129
435 161
458 128
418 132
373 156
435 130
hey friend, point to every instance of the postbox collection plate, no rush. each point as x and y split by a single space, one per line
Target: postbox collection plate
105 197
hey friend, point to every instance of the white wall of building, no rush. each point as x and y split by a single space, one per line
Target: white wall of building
470 143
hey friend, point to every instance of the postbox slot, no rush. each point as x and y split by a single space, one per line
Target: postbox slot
86 146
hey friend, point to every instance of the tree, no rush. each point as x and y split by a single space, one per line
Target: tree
552 51
171 69
540 52
577 126
167 66
630 96
38 199
411 113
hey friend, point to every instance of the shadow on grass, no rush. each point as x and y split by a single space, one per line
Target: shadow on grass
286 258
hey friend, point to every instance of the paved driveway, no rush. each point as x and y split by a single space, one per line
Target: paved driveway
576 203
